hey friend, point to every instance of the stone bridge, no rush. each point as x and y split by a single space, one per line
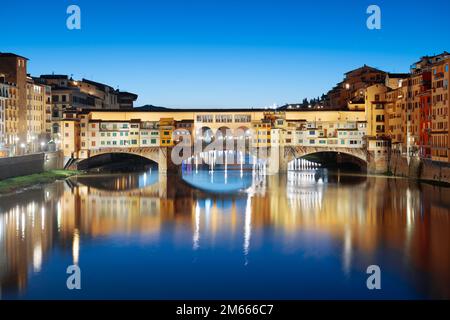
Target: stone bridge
292 153
277 157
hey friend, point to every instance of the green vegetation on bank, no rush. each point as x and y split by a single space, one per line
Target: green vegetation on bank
17 183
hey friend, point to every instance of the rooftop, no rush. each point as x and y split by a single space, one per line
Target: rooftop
365 67
11 55
54 76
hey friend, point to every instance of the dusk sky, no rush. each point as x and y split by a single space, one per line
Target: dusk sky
217 53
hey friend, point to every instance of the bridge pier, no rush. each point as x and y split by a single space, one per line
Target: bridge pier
378 163
273 166
165 163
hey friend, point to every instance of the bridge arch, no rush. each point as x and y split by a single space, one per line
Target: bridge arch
102 158
205 133
337 156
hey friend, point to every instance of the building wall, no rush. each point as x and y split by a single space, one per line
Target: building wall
394 117
15 70
71 137
440 112
23 165
36 115
376 110
4 96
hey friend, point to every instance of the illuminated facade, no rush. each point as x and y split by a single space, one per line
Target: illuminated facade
4 100
38 96
14 69
68 93
87 131
440 111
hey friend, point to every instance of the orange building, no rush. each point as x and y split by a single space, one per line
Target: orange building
440 111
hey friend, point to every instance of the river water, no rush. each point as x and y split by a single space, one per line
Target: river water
226 235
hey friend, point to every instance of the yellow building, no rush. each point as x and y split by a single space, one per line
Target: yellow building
166 129
261 131
375 100
37 103
4 98
71 137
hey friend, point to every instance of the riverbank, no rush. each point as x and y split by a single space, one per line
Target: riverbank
423 170
15 184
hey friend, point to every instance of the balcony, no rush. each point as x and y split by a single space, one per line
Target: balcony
438 75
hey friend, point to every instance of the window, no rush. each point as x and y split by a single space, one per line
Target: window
224 118
153 141
205 118
240 118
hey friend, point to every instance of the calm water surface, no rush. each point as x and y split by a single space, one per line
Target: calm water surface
305 235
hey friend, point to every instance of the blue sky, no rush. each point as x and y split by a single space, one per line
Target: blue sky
222 53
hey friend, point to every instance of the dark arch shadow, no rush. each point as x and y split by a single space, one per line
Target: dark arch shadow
116 162
337 160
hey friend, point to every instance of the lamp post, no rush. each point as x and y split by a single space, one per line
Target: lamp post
33 144
16 142
23 148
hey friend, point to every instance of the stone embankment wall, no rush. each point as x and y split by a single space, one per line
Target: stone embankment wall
426 170
30 164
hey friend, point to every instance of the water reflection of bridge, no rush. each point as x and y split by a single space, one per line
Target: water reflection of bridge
412 220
